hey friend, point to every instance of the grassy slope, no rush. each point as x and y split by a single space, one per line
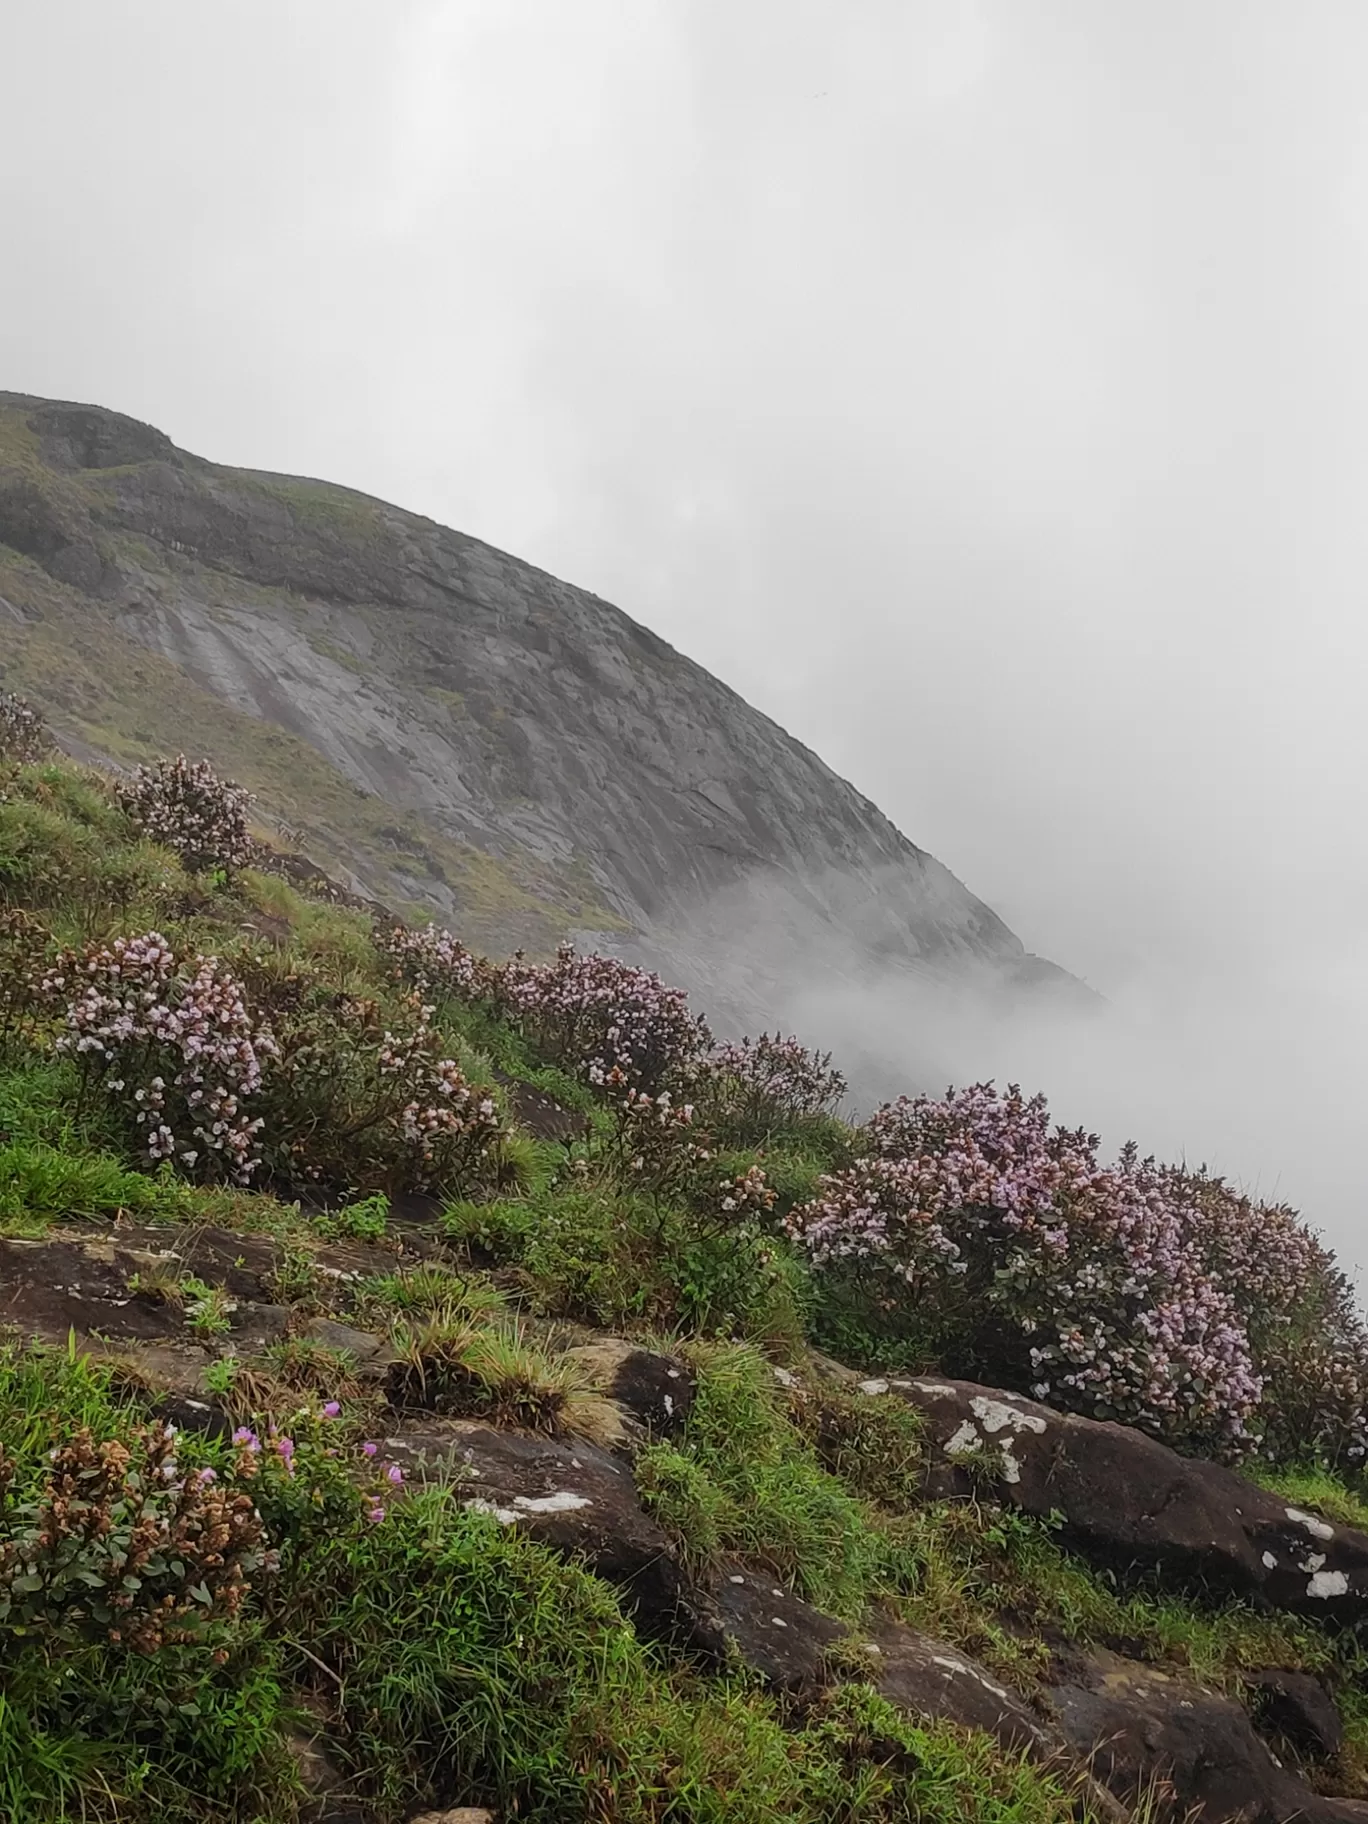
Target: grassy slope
454 1652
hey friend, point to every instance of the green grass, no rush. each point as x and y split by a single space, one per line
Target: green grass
451 1660
473 1665
1317 1490
743 1480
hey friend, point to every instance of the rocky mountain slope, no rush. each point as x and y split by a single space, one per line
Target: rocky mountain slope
452 729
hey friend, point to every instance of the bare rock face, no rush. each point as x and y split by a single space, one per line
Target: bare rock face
1138 1725
610 784
1126 1498
653 1393
1297 1709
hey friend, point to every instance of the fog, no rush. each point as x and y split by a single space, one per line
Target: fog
978 387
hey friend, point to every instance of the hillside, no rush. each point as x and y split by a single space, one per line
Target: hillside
443 1391
448 727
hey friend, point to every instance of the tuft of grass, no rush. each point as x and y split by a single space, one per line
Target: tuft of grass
435 1291
495 1372
1316 1489
744 1480
873 1444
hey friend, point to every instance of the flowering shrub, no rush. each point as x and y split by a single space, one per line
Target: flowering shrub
605 1020
652 1143
360 1097
122 1544
198 816
998 1244
309 1481
23 733
432 959
169 1042
762 1086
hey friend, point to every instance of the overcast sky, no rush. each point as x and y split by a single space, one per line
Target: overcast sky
979 388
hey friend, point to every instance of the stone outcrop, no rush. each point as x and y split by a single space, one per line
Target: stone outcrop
1138 1726
1128 1499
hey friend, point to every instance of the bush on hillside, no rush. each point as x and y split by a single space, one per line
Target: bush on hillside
612 1024
170 1045
431 959
361 1095
186 806
980 1236
761 1088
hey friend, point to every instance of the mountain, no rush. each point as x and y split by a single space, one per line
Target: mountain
451 729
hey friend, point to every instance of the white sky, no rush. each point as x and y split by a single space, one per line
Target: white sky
979 388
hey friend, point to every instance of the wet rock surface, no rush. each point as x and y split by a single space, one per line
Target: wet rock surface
654 1393
1137 1724
1127 1499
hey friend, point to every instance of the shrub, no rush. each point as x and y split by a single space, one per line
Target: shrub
766 1087
169 1043
432 959
24 735
361 1096
980 1235
122 1544
605 1020
186 807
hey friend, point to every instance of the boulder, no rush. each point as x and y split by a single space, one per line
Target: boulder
572 1497
927 1678
781 1638
1298 1710
1128 1499
653 1393
1137 1726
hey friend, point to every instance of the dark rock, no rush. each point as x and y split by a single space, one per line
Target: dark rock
1135 1724
926 1678
542 1116
1298 1710
777 1635
654 1392
574 1498
366 1349
1127 1499
189 1414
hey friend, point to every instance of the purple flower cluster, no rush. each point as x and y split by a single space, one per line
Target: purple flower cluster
606 1020
306 1458
170 1040
1135 1291
187 807
433 959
